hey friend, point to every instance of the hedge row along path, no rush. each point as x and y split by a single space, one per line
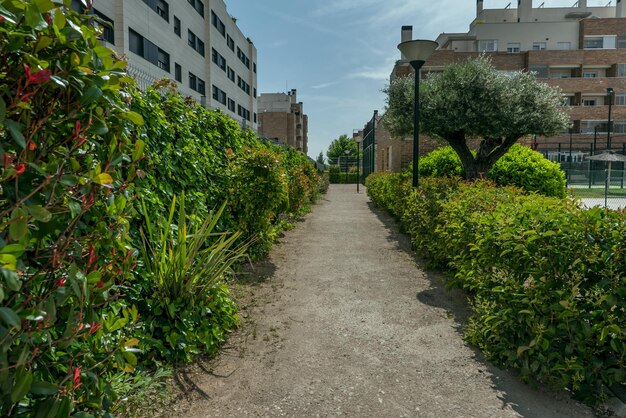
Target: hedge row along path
345 321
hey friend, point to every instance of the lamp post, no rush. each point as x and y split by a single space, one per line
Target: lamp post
417 52
609 93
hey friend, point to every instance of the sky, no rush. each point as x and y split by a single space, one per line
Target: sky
338 54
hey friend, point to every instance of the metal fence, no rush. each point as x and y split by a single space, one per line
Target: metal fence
591 180
369 148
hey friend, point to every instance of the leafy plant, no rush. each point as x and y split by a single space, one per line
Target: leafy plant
68 155
441 162
188 265
529 170
545 277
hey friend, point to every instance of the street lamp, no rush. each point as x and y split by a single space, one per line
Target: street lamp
417 52
609 93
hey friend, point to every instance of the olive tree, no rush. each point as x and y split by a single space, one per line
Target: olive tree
474 100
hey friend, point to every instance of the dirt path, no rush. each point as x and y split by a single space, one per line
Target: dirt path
347 323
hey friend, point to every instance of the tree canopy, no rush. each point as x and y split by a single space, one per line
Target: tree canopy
339 147
474 100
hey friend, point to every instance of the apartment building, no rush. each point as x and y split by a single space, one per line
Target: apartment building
282 117
194 42
580 49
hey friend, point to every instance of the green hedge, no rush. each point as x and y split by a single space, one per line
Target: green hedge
520 166
545 277
90 166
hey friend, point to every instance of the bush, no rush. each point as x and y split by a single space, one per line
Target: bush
529 170
520 166
545 277
190 309
441 162
69 155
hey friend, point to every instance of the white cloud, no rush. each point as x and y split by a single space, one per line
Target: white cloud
381 72
332 7
324 85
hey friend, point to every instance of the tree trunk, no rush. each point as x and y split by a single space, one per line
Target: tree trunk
489 151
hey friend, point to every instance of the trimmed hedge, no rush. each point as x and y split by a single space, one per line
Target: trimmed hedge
545 277
520 166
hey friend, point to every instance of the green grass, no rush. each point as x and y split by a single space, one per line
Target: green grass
597 192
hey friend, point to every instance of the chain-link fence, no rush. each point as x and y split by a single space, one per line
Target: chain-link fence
592 181
344 169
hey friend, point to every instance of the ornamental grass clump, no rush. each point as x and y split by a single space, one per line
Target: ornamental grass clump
188 265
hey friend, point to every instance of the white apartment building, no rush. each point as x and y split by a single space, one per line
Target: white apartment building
534 29
194 42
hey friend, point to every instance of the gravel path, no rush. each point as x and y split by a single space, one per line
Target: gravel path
341 320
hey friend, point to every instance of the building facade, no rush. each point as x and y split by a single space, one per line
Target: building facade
194 42
580 49
282 117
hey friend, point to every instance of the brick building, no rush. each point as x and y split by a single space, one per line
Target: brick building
282 117
580 49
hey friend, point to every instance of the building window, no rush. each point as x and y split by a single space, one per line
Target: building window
540 70
163 10
254 67
230 42
160 7
219 95
201 87
618 127
243 112
193 82
135 42
243 85
177 26
231 74
513 47
218 59
621 70
217 22
195 42
590 102
243 58
488 45
620 99
231 105
178 73
148 51
539 46
590 74
198 5
564 46
255 118
621 42
255 92
560 74
106 26
163 60
593 42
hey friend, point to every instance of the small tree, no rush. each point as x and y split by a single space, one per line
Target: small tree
320 158
473 99
339 146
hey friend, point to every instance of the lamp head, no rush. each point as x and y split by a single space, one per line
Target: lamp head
609 90
418 49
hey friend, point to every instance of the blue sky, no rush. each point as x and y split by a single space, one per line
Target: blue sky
338 54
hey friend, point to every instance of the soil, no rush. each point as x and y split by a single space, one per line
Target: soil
343 320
